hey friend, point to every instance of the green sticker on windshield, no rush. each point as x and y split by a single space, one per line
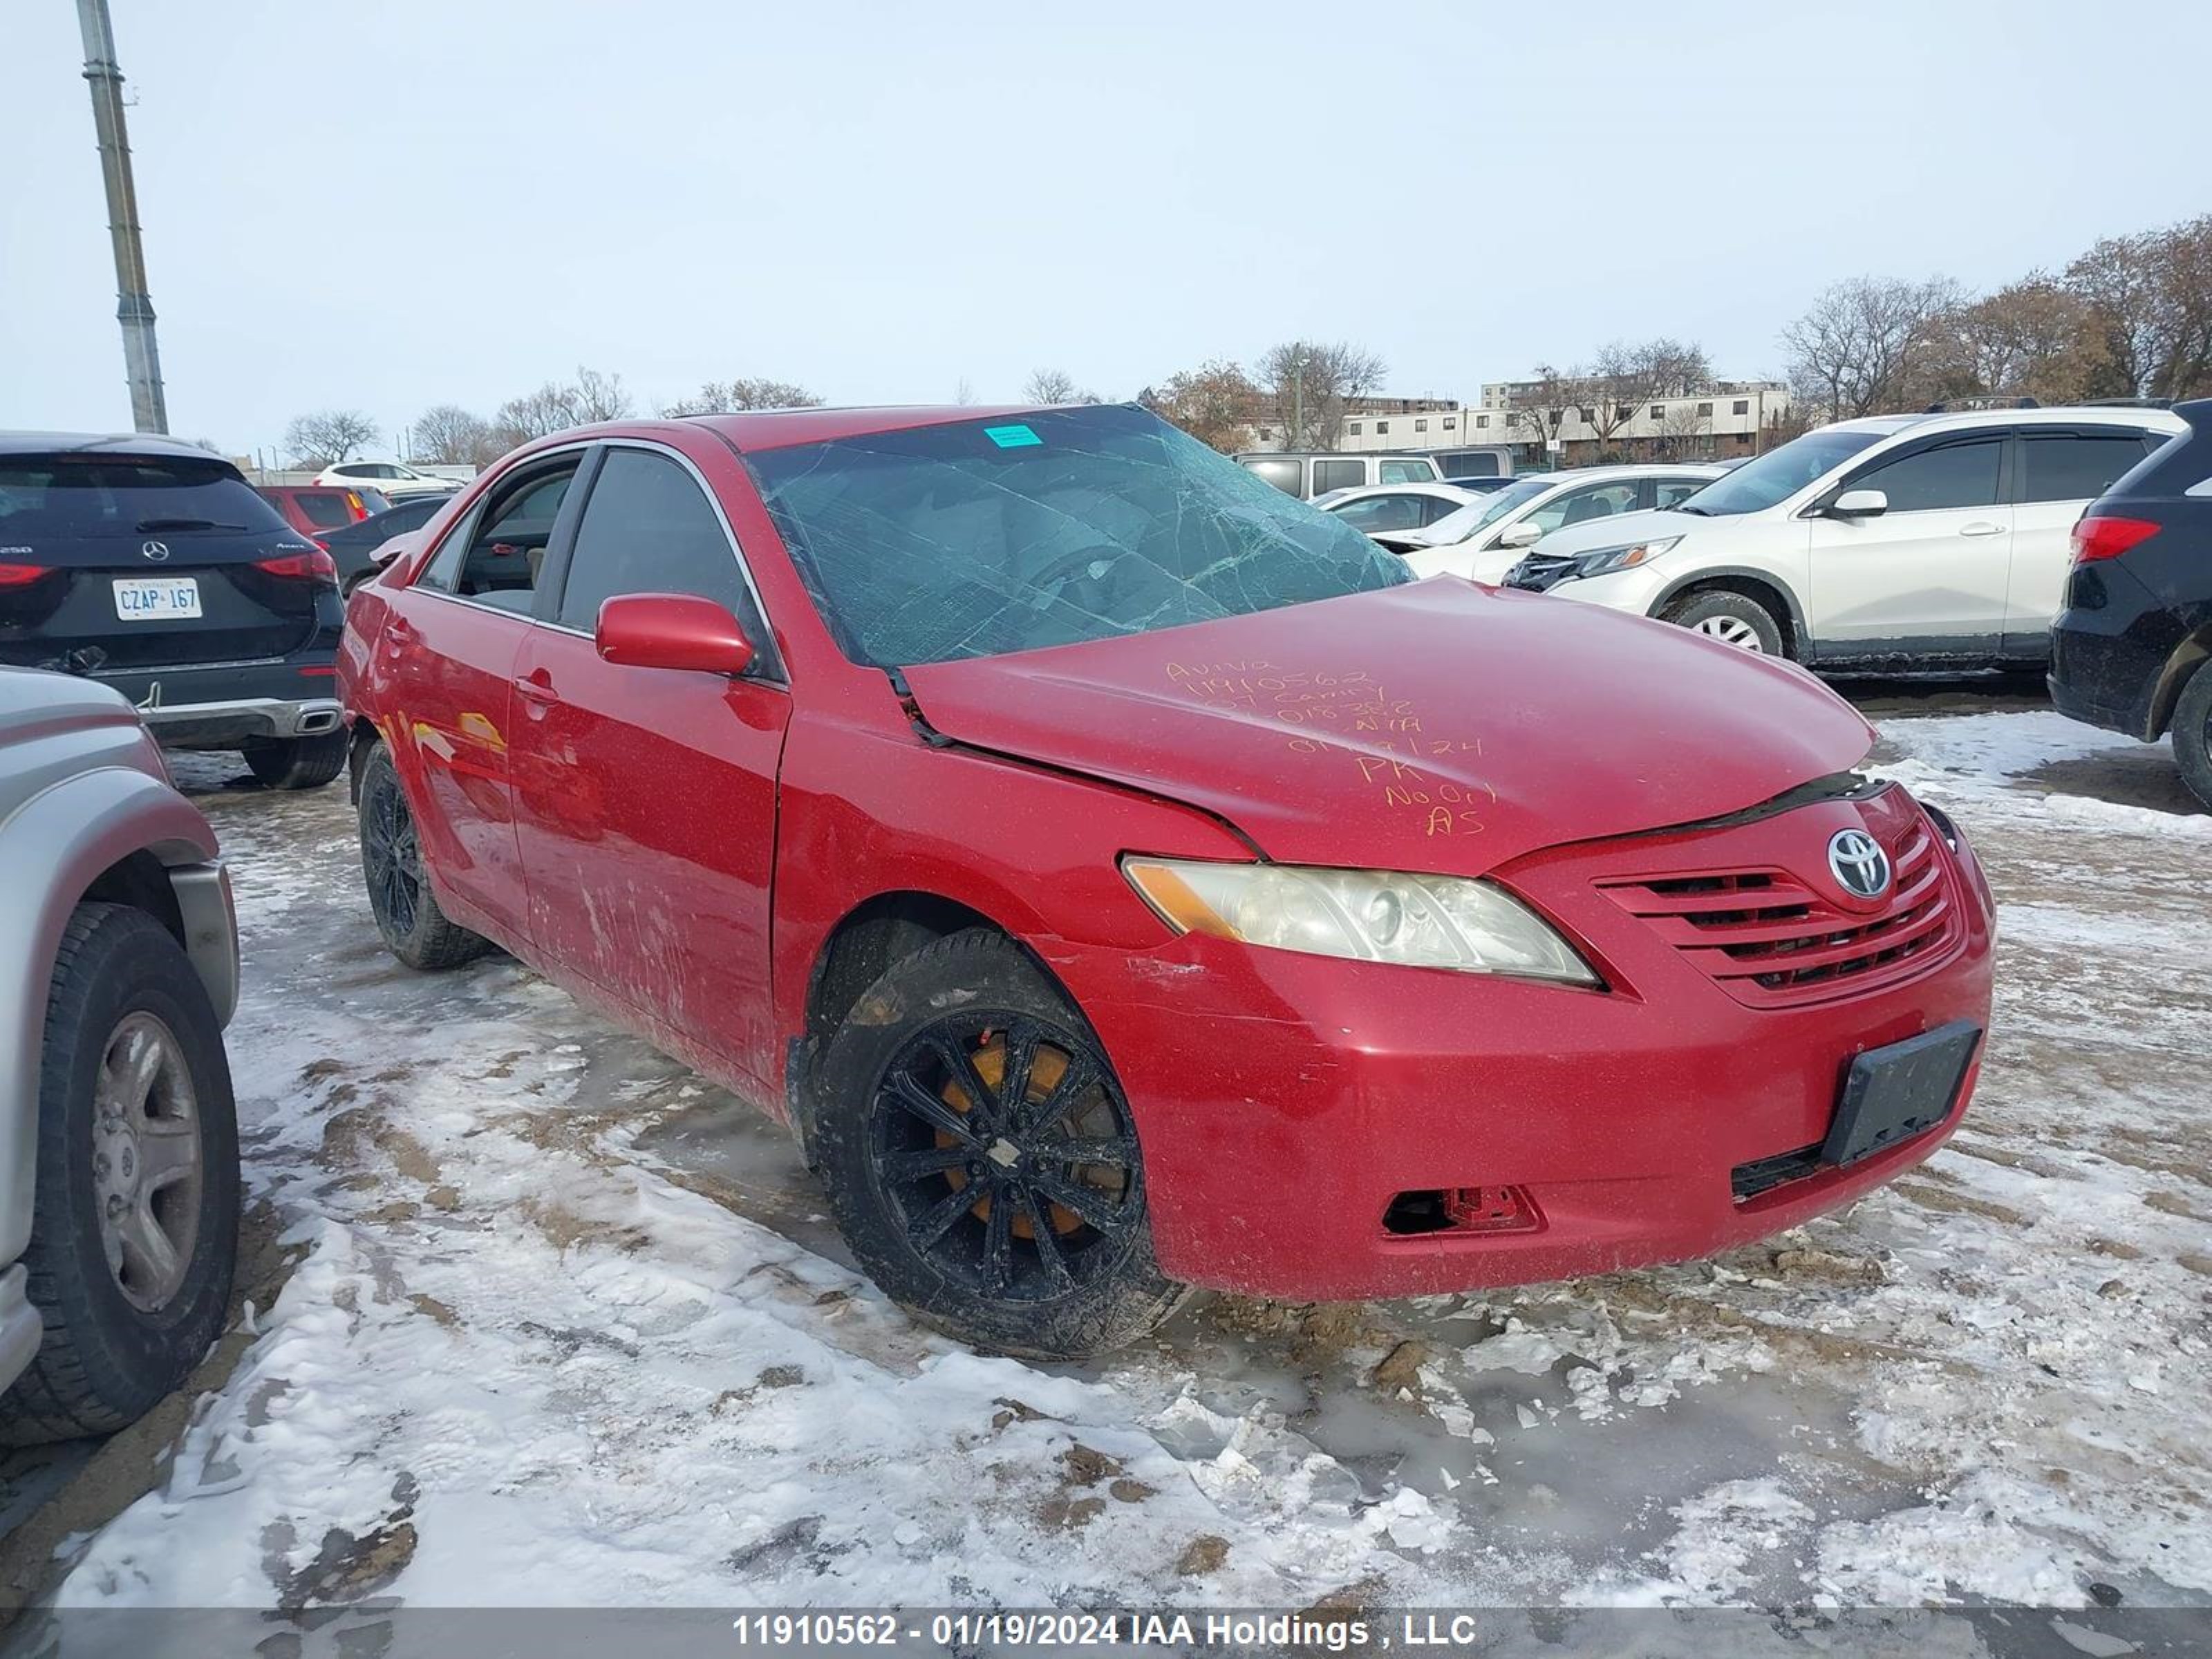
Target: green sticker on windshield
1011 437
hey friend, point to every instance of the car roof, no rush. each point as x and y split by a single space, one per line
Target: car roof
1334 455
1411 487
152 444
1953 420
1632 469
782 429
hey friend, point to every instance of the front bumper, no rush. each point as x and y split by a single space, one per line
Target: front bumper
1283 1101
223 706
1636 591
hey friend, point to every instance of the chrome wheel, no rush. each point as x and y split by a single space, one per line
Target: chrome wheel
147 1165
1730 630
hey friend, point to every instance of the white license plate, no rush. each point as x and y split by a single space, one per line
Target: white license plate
156 599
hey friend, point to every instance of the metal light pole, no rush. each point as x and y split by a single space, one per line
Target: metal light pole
134 306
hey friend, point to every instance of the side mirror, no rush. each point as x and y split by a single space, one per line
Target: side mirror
1859 504
672 630
1527 533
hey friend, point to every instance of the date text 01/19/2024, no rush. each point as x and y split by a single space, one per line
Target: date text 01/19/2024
1058 1628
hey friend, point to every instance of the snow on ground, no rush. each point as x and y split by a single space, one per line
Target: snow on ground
567 1328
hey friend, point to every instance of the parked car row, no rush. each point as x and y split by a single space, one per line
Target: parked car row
1486 534
1910 542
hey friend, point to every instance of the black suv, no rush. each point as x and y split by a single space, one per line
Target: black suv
2128 649
151 566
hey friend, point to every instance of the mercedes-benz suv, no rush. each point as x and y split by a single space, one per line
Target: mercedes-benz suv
151 566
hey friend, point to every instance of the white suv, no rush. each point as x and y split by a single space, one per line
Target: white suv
390 479
1902 541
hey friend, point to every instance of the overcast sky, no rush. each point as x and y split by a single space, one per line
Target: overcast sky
386 206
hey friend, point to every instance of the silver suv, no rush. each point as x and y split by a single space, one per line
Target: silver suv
119 1146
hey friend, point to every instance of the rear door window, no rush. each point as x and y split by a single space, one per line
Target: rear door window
649 528
1405 472
2075 466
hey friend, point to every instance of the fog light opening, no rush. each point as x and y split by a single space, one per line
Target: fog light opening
1461 1210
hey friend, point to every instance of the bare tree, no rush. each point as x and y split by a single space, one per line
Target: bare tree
329 436
551 409
1539 416
446 435
1054 386
598 397
2034 339
1214 402
1613 387
1667 367
746 391
2154 292
1312 383
1684 434
963 393
1869 344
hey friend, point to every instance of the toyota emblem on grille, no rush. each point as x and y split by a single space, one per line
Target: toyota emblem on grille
156 551
1859 865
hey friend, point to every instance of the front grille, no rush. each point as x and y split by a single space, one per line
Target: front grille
1771 941
1539 572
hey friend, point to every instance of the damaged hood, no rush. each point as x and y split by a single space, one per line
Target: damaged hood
1436 727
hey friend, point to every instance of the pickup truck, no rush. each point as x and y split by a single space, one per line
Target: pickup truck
118 1144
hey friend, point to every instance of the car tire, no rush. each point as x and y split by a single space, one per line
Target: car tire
2192 735
1730 617
407 915
1052 1258
131 1060
298 762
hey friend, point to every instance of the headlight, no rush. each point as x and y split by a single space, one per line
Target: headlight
1368 915
1604 561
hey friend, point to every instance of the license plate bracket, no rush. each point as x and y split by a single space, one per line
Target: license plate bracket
1906 1089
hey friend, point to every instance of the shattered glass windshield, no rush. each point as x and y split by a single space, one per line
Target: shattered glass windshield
984 537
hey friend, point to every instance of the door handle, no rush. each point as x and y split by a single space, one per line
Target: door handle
536 685
1981 527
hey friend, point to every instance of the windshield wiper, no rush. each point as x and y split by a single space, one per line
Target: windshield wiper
145 525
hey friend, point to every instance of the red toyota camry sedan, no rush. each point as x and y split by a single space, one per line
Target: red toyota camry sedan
1125 877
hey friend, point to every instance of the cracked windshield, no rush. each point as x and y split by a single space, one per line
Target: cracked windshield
985 536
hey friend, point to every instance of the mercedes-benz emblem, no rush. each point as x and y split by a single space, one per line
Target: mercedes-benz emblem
156 551
1860 866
